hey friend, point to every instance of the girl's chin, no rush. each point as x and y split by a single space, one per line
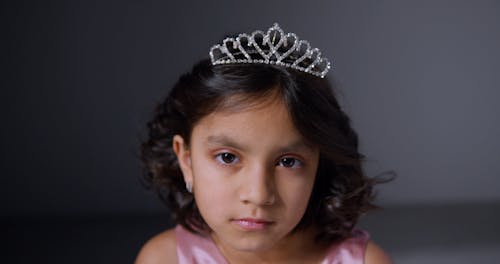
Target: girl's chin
250 243
252 246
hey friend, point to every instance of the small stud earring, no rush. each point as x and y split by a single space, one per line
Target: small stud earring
189 187
337 202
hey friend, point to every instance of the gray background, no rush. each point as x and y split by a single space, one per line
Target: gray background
420 79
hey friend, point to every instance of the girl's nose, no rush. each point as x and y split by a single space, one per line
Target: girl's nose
258 187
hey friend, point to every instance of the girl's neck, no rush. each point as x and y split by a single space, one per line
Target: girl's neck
299 247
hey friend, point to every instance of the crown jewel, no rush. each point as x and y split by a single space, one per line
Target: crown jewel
273 47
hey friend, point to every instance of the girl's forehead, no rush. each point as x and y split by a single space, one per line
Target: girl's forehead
269 122
239 102
250 115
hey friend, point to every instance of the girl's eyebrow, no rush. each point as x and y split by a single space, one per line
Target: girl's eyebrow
224 141
296 146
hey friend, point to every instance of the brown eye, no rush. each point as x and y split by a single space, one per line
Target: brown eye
289 162
226 158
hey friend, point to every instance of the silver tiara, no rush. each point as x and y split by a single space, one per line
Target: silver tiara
273 47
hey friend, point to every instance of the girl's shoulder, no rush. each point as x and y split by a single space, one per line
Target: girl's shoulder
159 249
358 248
375 254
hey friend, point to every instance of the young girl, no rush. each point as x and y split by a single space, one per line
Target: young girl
257 162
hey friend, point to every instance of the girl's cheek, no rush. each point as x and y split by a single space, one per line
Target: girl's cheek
298 174
211 172
295 180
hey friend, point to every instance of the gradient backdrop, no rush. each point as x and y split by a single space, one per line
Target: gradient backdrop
420 79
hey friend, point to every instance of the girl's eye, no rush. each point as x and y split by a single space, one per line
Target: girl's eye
290 163
226 158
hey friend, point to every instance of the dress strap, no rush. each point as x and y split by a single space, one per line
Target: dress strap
350 250
196 249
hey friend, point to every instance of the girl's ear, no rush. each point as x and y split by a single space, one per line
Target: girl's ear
184 157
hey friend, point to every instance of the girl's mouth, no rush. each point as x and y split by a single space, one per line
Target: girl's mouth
252 224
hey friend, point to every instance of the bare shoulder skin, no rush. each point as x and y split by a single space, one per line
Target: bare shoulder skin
159 249
376 255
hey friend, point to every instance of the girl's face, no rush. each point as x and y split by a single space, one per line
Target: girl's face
252 175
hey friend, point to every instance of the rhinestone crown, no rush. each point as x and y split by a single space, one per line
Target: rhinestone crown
273 47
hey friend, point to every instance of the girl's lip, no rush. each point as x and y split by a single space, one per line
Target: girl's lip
252 224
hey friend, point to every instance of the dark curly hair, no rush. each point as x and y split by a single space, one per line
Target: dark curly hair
341 191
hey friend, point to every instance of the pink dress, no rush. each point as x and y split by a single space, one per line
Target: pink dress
194 249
